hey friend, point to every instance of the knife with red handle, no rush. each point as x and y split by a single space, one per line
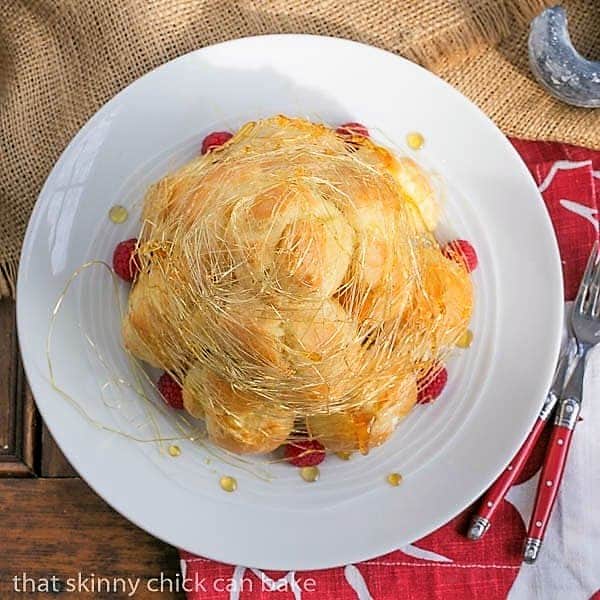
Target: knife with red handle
481 521
565 420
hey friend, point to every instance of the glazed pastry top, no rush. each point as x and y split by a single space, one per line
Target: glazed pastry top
291 283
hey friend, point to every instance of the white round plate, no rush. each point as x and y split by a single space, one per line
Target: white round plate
448 452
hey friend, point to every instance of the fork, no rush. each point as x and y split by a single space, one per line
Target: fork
585 324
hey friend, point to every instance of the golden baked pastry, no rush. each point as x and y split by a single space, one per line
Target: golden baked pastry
289 280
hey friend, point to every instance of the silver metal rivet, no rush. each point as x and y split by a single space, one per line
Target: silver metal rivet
490 504
538 523
510 468
560 442
549 483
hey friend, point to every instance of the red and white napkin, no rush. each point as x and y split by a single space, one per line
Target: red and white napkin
445 564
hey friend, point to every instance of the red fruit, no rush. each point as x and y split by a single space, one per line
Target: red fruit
463 252
171 391
125 264
432 385
352 129
304 453
214 140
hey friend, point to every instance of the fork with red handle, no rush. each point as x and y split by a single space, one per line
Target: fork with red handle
481 521
585 323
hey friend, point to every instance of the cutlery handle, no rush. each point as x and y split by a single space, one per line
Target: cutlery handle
551 476
565 420
495 494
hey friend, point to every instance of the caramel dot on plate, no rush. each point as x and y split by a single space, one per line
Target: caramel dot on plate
465 340
344 455
228 484
310 474
118 214
174 450
415 140
394 479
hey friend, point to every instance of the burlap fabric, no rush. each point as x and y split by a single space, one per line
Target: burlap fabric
61 59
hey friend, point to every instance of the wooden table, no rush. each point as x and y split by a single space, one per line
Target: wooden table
51 522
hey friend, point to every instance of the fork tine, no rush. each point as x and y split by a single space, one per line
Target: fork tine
587 278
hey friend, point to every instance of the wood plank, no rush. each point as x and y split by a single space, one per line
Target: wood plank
18 417
60 527
53 461
8 379
30 420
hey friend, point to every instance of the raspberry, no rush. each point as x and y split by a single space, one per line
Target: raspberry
304 453
351 129
463 252
214 140
125 264
171 391
432 385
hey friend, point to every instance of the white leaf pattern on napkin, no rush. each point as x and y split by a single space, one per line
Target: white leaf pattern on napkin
561 165
357 582
417 552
